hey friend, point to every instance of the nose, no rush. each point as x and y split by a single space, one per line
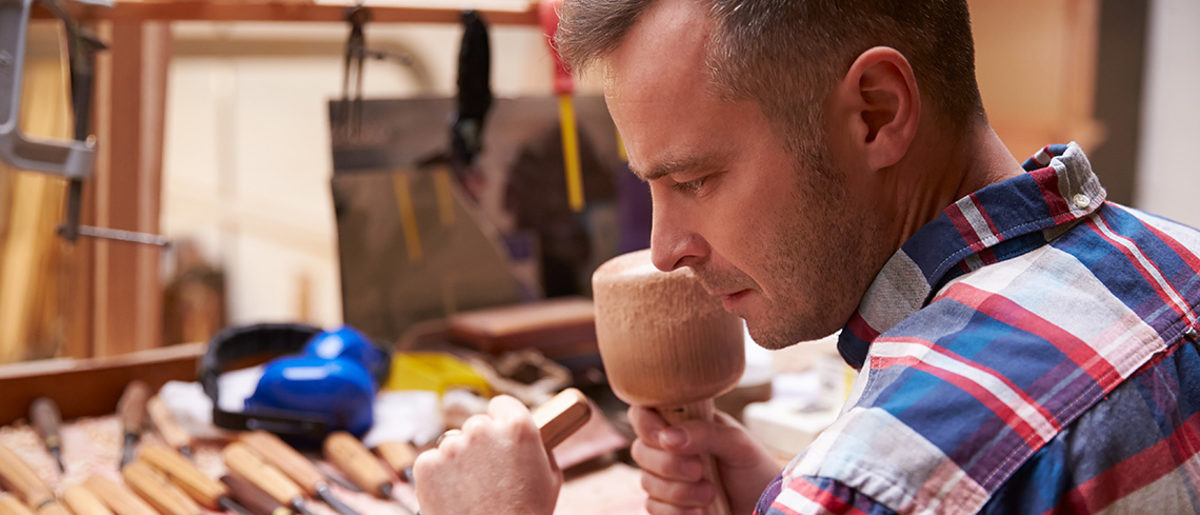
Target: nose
673 242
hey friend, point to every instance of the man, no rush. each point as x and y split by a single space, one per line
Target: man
1023 345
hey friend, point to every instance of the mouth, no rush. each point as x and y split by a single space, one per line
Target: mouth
728 300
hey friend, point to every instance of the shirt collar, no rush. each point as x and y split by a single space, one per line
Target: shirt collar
1000 221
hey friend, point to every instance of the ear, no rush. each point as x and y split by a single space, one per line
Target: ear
880 104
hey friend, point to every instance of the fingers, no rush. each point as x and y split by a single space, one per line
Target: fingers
646 423
655 507
504 407
666 464
679 493
690 437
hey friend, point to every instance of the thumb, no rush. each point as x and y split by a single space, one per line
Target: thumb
723 437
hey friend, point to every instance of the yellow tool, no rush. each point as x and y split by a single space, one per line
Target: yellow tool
434 371
564 85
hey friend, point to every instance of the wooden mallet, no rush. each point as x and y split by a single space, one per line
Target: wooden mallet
666 344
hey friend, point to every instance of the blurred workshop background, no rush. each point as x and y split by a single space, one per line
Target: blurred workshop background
294 187
307 164
220 141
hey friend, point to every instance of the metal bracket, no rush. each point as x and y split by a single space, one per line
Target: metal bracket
72 159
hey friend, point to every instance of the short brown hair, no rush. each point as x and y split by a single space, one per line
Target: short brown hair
785 54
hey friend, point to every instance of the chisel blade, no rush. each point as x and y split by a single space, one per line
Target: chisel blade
131 440
228 504
57 453
325 495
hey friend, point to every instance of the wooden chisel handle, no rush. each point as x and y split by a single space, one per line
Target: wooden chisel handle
172 433
20 479
132 409
82 501
398 455
561 416
46 418
252 497
269 479
118 498
165 497
132 406
364 469
201 488
10 505
278 453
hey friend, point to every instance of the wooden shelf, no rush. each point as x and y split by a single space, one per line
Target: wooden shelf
233 10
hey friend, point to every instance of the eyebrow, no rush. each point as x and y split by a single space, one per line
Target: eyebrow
676 165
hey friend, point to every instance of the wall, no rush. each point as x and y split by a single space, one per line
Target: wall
1168 176
247 158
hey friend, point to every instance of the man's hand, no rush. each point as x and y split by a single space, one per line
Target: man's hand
497 464
671 467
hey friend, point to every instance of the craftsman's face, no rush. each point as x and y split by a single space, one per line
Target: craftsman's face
769 233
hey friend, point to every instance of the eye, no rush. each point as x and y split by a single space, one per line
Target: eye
690 187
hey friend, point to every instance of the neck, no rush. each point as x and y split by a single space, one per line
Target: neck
937 174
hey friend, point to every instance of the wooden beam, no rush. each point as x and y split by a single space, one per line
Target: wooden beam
130 101
231 10
91 387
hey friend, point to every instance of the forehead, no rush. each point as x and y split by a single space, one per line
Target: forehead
663 54
658 89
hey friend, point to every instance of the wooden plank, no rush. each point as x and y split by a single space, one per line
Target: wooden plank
29 255
193 10
91 387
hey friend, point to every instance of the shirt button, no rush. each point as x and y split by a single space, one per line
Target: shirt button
1081 201
1191 334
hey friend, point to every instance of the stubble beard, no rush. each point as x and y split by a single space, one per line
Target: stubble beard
812 257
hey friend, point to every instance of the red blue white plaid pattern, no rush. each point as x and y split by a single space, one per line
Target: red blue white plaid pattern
1027 351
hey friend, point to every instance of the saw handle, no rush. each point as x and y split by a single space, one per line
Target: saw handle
201 488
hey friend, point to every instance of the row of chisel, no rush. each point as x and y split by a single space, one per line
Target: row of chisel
266 475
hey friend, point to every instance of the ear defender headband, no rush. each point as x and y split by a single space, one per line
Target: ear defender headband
316 381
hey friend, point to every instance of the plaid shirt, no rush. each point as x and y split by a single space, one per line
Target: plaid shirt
1028 351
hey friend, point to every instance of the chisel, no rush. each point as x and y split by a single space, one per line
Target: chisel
561 416
252 497
132 408
10 505
278 453
155 489
242 462
46 418
118 498
18 478
399 456
170 430
363 468
207 491
82 501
